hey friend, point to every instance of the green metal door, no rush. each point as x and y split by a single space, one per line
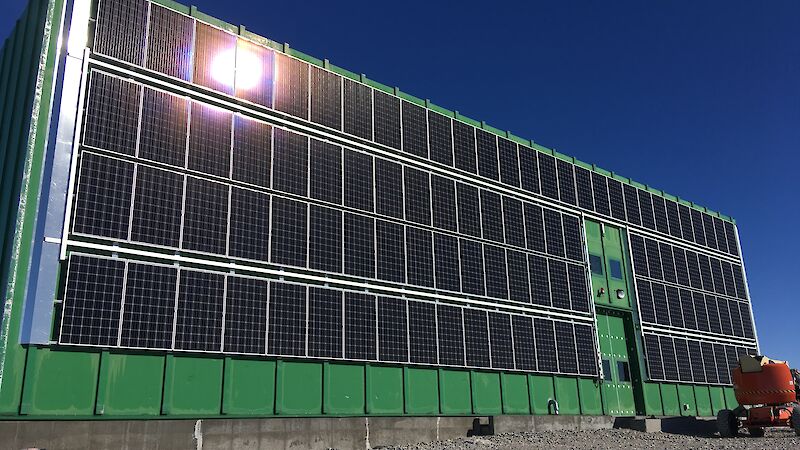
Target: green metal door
617 386
608 265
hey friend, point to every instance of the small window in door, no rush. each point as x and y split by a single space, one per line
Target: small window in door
615 268
607 370
623 370
596 263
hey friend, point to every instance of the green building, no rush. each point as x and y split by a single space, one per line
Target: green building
201 222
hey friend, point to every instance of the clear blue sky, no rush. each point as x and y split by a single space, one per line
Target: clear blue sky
701 99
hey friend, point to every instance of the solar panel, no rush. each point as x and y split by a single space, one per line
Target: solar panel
476 338
488 165
325 323
728 279
509 162
559 284
209 44
468 207
617 200
358 180
529 170
524 342
325 239
163 128
646 209
673 219
632 204
169 42
419 251
149 312
249 225
714 321
736 318
120 30
681 269
422 333
258 88
415 130
668 358
660 303
660 214
359 245
325 172
723 373
450 329
289 232
112 113
554 233
644 293
583 183
326 98
667 262
103 198
686 222
391 253
388 198
573 237
357 109
697 226
205 218
92 301
157 207
513 222
687 309
418 195
587 355
464 147
724 316
445 250
540 284
252 151
443 199
500 339
730 236
496 273
518 281
534 227
738 279
732 357
440 136
491 215
693 267
387 120
600 194
705 272
546 358
709 363
747 321
292 86
652 349
716 276
471 267
198 317
640 265
287 319
682 355
566 182
565 346
708 227
696 362
675 308
290 162
245 315
654 259
547 175
578 287
359 326
392 329
700 311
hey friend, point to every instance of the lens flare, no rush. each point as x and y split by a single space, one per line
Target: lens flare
223 67
248 70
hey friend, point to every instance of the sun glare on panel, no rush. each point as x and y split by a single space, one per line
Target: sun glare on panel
223 67
248 70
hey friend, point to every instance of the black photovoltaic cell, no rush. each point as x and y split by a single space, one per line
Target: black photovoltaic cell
415 130
112 113
565 345
660 214
325 323
668 357
290 162
640 266
660 304
547 175
600 194
716 275
696 361
709 363
92 301
518 280
673 219
524 342
492 216
450 325
653 259
566 182
554 233
358 174
422 333
387 119
147 321
682 355
169 42
357 109
469 212
359 245
617 200
205 217
747 322
573 239
529 170
730 236
210 140
700 311
252 151
419 252
257 91
713 314
632 204
359 326
500 340
287 319
681 268
326 98
724 316
693 267
488 165
727 278
289 232
162 134
245 315
705 272
687 308
249 225
723 372
708 227
583 183
513 222
559 283
464 146
391 256
103 199
697 226
587 355
652 349
198 322
540 284
418 195
476 338
509 162
443 198
325 181
325 239
736 318
496 273
291 86
157 207
445 249
578 288
686 222
392 329
388 196
120 30
732 357
209 44
534 227
667 262
646 209
440 135
674 304
546 360
738 279
647 311
471 267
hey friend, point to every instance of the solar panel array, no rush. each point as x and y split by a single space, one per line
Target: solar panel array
115 302
684 359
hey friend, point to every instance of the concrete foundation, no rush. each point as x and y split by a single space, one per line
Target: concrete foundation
695 426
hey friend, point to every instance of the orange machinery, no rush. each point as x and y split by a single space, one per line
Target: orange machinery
767 391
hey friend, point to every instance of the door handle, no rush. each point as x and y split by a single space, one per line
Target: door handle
601 292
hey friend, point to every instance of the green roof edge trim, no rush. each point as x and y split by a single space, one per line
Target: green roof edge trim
285 48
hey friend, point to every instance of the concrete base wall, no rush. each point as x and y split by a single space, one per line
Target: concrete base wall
273 434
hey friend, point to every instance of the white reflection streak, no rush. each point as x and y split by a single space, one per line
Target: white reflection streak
223 67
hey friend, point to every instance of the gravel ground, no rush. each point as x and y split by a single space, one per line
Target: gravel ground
777 439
